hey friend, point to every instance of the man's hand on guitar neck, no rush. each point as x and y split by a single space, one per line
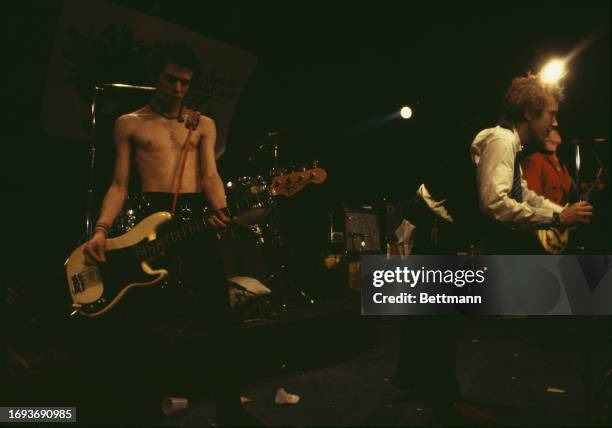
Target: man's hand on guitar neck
95 247
578 213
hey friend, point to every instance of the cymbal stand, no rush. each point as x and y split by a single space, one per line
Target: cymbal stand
89 220
279 253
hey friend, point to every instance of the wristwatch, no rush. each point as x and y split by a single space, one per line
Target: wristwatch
556 219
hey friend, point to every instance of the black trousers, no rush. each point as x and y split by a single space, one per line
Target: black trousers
202 268
427 360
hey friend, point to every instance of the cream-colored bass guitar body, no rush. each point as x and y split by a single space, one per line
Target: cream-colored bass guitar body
94 288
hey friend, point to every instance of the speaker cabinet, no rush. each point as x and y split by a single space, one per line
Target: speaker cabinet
356 230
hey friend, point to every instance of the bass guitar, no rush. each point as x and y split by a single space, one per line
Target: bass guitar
96 288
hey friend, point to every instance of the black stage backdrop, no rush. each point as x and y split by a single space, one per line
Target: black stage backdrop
332 74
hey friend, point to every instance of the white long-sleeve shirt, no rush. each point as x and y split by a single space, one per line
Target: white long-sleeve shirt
437 207
494 152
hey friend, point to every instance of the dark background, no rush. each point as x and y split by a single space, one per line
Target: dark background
330 73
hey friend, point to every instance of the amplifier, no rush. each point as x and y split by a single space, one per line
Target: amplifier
356 230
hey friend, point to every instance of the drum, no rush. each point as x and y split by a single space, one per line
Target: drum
241 193
136 208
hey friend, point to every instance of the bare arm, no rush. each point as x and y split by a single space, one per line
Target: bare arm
117 192
212 185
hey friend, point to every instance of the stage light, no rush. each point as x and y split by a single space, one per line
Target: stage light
406 112
553 71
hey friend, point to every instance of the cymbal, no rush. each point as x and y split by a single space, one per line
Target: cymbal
271 138
124 86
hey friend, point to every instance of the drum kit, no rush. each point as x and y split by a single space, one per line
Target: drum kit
262 225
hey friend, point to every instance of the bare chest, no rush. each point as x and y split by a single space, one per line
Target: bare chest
168 137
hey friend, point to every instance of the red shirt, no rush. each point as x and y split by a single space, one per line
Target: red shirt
547 177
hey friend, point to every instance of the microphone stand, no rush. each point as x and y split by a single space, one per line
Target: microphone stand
580 249
92 161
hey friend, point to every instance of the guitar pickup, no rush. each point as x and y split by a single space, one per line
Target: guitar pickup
77 284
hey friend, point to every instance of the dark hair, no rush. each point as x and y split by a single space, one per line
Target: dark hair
528 94
178 53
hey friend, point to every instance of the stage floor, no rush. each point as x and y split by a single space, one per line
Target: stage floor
506 366
527 372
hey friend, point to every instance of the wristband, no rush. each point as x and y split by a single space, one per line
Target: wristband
102 226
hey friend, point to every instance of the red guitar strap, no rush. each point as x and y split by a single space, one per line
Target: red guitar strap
192 123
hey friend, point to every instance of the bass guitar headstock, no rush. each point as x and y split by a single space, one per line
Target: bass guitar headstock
290 184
